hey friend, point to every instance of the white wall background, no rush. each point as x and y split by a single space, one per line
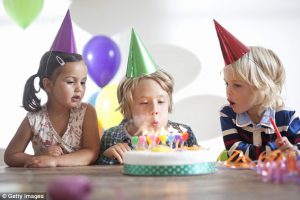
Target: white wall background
180 35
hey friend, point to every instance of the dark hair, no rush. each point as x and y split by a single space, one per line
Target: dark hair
50 62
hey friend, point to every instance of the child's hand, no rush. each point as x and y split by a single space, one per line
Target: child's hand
41 161
117 151
54 150
284 143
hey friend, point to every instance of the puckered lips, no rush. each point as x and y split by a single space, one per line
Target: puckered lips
231 103
155 123
76 98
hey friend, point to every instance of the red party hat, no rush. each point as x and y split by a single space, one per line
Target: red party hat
64 40
232 48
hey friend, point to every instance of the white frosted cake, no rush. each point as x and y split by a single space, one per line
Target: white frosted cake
177 162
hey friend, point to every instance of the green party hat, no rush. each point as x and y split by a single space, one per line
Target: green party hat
140 61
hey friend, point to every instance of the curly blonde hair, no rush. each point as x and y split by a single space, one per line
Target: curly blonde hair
128 85
262 69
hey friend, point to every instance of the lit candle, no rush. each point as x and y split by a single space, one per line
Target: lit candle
177 140
185 137
171 140
153 139
134 141
163 138
142 141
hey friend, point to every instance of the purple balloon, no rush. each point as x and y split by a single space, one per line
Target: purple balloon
70 187
102 57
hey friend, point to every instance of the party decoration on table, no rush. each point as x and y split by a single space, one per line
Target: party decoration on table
23 12
232 48
102 57
107 105
279 166
140 61
274 156
64 40
70 187
223 156
237 160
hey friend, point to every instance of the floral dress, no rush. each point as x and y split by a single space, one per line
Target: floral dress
44 134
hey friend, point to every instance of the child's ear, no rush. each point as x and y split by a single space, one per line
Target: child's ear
47 84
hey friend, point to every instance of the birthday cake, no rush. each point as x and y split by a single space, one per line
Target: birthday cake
164 153
172 163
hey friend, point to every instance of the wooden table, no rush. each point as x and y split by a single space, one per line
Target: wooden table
109 183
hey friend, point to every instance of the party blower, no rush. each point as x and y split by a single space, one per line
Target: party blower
278 135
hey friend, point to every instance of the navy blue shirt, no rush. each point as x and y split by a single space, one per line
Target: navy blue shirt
240 133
